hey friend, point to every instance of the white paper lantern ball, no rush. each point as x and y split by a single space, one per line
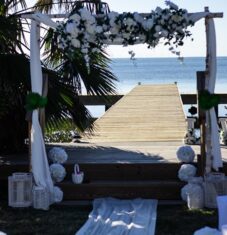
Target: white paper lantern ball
57 172
190 189
185 154
58 194
185 190
57 155
186 172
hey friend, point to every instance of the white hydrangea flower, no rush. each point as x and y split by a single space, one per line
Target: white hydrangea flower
138 18
174 26
130 22
57 172
98 29
142 37
156 35
164 33
94 50
186 172
166 16
57 155
185 154
76 43
105 27
84 50
126 35
75 17
114 30
158 28
85 14
113 15
176 18
149 23
90 28
72 29
162 22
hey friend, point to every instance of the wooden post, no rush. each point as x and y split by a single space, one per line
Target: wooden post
42 110
206 9
201 158
28 118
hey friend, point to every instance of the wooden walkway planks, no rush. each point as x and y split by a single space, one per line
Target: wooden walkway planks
147 113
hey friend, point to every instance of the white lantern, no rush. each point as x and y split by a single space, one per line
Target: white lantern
215 184
41 198
20 190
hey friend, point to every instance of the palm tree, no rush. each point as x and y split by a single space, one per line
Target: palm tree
65 77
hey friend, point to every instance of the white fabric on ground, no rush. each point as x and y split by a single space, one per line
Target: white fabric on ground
40 166
207 231
121 217
222 209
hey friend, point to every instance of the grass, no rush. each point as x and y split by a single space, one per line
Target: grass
65 220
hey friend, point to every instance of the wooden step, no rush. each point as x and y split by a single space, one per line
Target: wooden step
127 171
161 190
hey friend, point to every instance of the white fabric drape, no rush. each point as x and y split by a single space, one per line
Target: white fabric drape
213 157
40 166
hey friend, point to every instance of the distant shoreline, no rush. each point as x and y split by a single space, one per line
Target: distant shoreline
170 57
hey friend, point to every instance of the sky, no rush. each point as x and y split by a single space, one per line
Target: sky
190 49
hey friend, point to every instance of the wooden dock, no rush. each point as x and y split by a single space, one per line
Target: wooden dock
148 113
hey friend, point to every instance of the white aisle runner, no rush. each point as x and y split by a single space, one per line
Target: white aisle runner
121 217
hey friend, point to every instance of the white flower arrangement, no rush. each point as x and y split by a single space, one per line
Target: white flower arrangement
186 172
185 154
89 33
191 137
223 137
57 155
57 172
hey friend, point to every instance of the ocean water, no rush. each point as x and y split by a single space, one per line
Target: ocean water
163 71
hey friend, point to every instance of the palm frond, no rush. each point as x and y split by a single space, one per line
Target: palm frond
64 103
11 33
9 6
47 6
98 78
